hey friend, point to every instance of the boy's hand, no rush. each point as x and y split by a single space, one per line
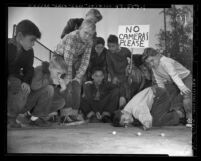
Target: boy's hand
62 84
76 79
98 115
185 91
122 101
26 88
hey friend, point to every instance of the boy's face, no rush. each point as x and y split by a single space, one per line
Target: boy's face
146 72
55 74
153 61
99 48
98 77
27 42
113 47
91 17
126 118
86 34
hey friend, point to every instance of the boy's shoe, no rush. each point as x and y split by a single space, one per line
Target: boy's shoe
189 122
94 119
23 120
106 119
53 119
80 117
39 123
65 119
11 123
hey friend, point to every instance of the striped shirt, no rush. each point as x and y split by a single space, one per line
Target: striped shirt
170 70
76 54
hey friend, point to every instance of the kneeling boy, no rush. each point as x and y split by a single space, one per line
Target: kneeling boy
151 107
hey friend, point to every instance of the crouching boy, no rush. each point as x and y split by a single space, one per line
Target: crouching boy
20 57
43 100
172 76
151 107
100 98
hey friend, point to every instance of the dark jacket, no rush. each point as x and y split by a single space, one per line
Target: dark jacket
72 24
117 63
20 63
98 60
90 90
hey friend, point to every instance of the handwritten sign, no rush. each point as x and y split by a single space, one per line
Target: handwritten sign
134 36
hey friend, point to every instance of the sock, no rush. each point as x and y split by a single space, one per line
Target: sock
33 118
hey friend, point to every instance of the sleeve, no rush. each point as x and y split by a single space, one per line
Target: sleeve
109 65
66 49
28 69
84 63
169 67
70 26
87 91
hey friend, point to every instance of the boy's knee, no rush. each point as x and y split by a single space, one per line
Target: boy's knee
50 90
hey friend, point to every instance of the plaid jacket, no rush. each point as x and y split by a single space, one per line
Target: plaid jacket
76 54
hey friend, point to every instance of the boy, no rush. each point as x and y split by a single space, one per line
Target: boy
151 107
100 98
20 66
117 63
173 76
76 50
43 100
98 57
73 24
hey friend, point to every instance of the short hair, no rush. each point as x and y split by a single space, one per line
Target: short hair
99 40
95 69
96 13
112 39
45 67
88 24
27 27
57 61
149 52
117 118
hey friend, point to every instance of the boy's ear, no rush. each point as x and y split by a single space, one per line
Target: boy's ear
19 35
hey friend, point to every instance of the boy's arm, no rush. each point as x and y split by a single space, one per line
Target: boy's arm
109 65
174 75
66 49
84 63
28 69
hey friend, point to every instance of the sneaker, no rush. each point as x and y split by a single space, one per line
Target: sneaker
39 123
53 119
23 120
11 123
189 122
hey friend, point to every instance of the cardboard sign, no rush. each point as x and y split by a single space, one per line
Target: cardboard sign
134 36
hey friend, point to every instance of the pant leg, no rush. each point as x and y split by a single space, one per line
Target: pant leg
76 95
86 106
161 110
187 99
110 102
16 97
40 101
